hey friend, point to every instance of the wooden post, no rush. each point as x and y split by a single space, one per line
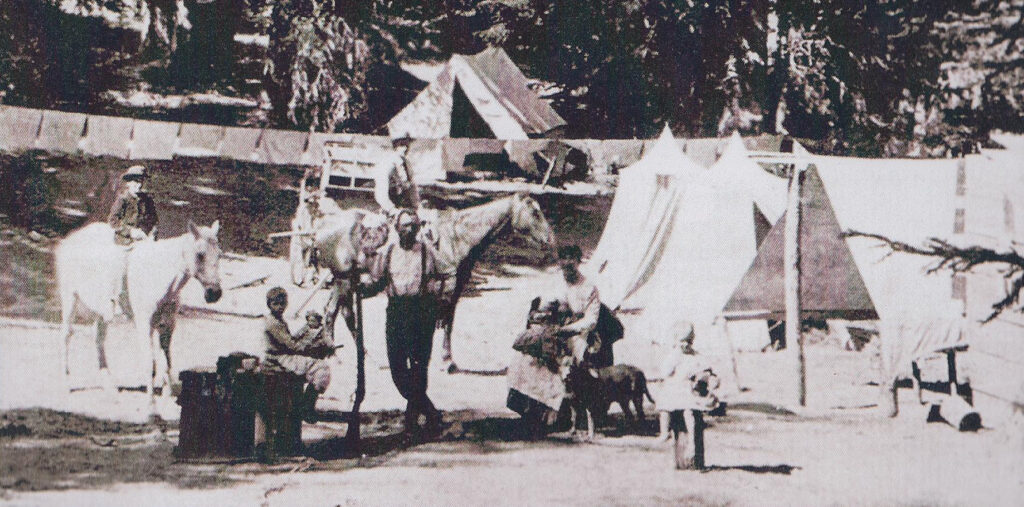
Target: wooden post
794 336
352 437
414 191
888 391
688 433
732 354
551 167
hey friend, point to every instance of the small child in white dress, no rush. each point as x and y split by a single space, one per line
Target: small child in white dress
688 384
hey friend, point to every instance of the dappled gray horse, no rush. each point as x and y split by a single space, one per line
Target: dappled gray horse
462 237
345 240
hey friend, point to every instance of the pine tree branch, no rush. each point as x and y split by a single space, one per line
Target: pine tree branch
963 260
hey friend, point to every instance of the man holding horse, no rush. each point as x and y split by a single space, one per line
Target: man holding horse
133 214
405 270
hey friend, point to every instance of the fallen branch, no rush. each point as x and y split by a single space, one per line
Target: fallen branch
963 260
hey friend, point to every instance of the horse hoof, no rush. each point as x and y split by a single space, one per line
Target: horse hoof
450 368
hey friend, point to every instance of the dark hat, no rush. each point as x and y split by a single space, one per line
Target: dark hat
135 172
276 294
570 252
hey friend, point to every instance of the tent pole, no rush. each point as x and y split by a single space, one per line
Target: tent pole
794 336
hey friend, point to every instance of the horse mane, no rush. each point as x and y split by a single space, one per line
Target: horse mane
472 217
453 227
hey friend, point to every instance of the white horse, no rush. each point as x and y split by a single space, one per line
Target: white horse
92 269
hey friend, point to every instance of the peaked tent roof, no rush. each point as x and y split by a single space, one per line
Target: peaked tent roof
769 191
830 284
705 246
496 89
645 198
910 201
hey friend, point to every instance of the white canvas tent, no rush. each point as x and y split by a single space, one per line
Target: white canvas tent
645 198
481 95
909 201
993 209
692 257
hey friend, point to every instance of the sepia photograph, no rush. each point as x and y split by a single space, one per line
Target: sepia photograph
511 252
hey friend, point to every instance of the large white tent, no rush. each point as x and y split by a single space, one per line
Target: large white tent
972 201
909 201
646 197
993 210
692 256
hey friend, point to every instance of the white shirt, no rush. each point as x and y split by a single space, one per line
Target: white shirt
585 302
390 178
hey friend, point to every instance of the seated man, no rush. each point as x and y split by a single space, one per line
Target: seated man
393 187
301 354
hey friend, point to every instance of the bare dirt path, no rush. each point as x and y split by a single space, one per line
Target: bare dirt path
835 453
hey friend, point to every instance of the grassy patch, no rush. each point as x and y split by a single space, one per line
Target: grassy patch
46 423
71 466
26 282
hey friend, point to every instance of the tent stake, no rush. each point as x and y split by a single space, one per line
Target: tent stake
794 336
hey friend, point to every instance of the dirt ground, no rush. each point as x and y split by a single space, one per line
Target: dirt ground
91 448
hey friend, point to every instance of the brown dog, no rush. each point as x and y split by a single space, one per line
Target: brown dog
593 391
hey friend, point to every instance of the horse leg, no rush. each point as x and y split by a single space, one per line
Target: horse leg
165 328
106 380
151 336
145 328
446 316
334 304
345 304
66 312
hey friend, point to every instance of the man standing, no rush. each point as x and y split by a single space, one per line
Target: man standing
133 215
405 271
393 186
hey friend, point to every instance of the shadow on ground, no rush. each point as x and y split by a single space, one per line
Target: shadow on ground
754 469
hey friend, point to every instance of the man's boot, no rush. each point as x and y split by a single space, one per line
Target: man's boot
411 427
433 427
